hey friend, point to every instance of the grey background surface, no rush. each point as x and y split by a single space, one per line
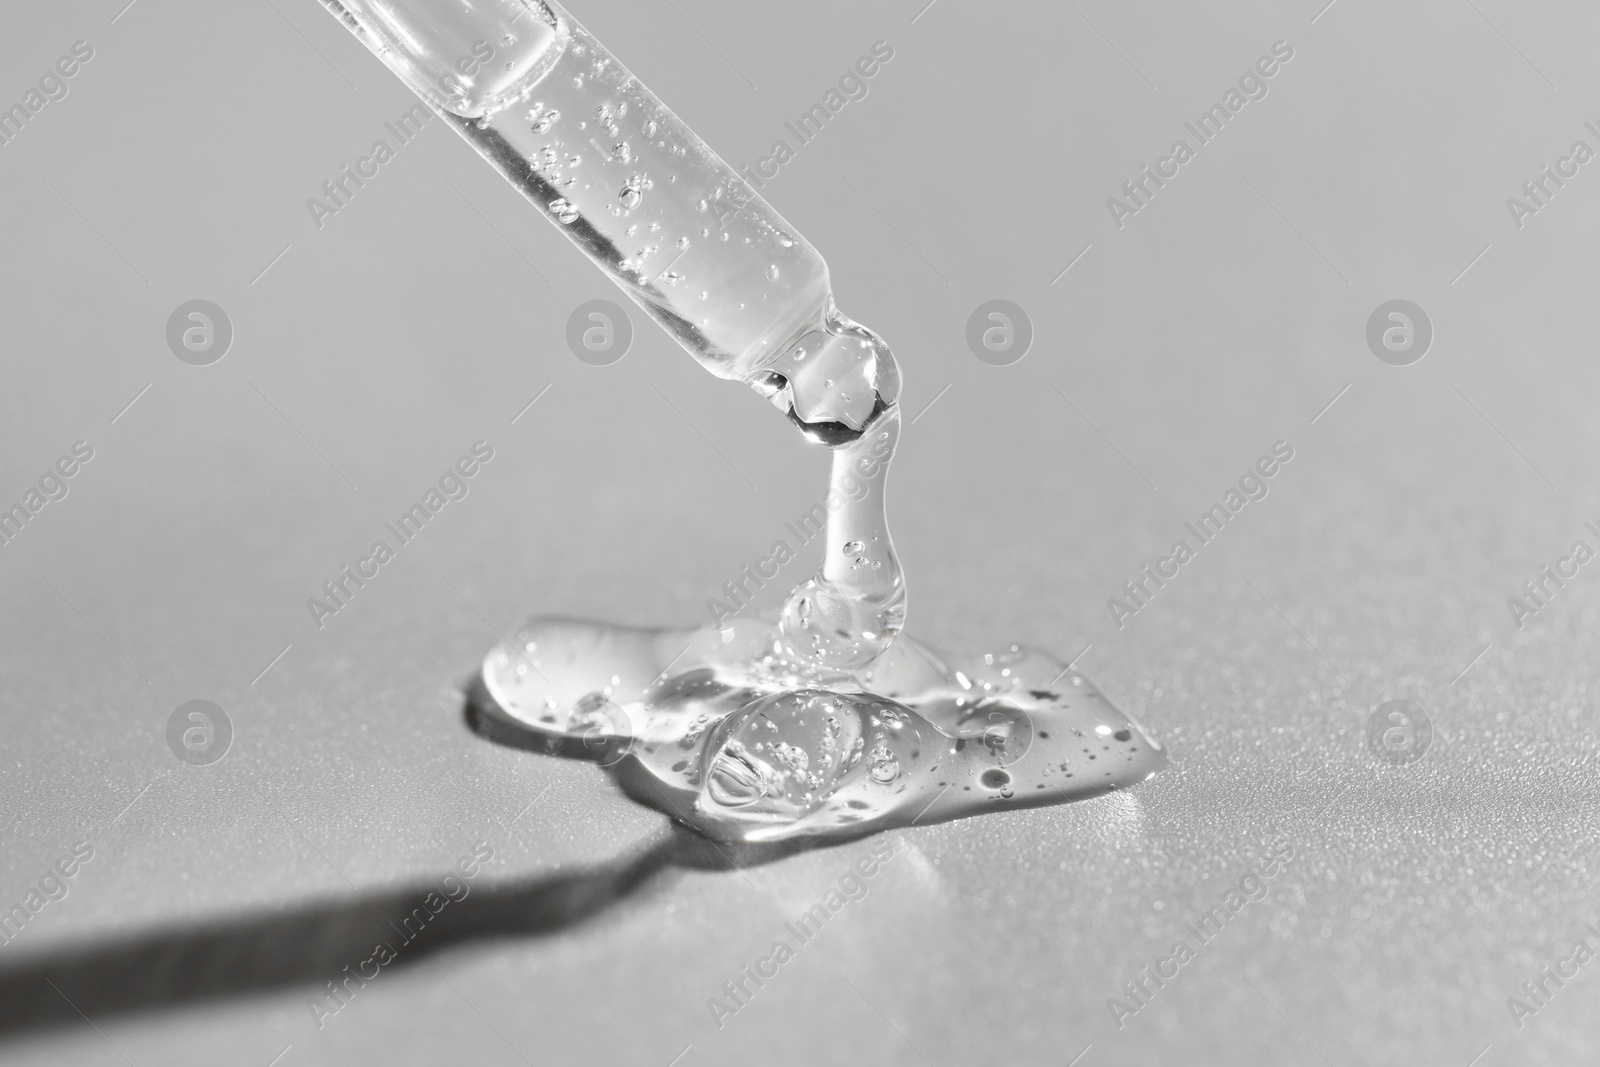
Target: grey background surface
1224 317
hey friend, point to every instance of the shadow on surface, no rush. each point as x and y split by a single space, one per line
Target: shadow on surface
311 945
323 943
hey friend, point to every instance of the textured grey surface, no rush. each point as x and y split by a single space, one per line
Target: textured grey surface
1220 319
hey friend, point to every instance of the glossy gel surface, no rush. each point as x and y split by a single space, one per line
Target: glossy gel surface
724 731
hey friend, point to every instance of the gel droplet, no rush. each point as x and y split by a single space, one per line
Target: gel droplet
746 745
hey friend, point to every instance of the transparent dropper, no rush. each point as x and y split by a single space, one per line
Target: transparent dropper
691 242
